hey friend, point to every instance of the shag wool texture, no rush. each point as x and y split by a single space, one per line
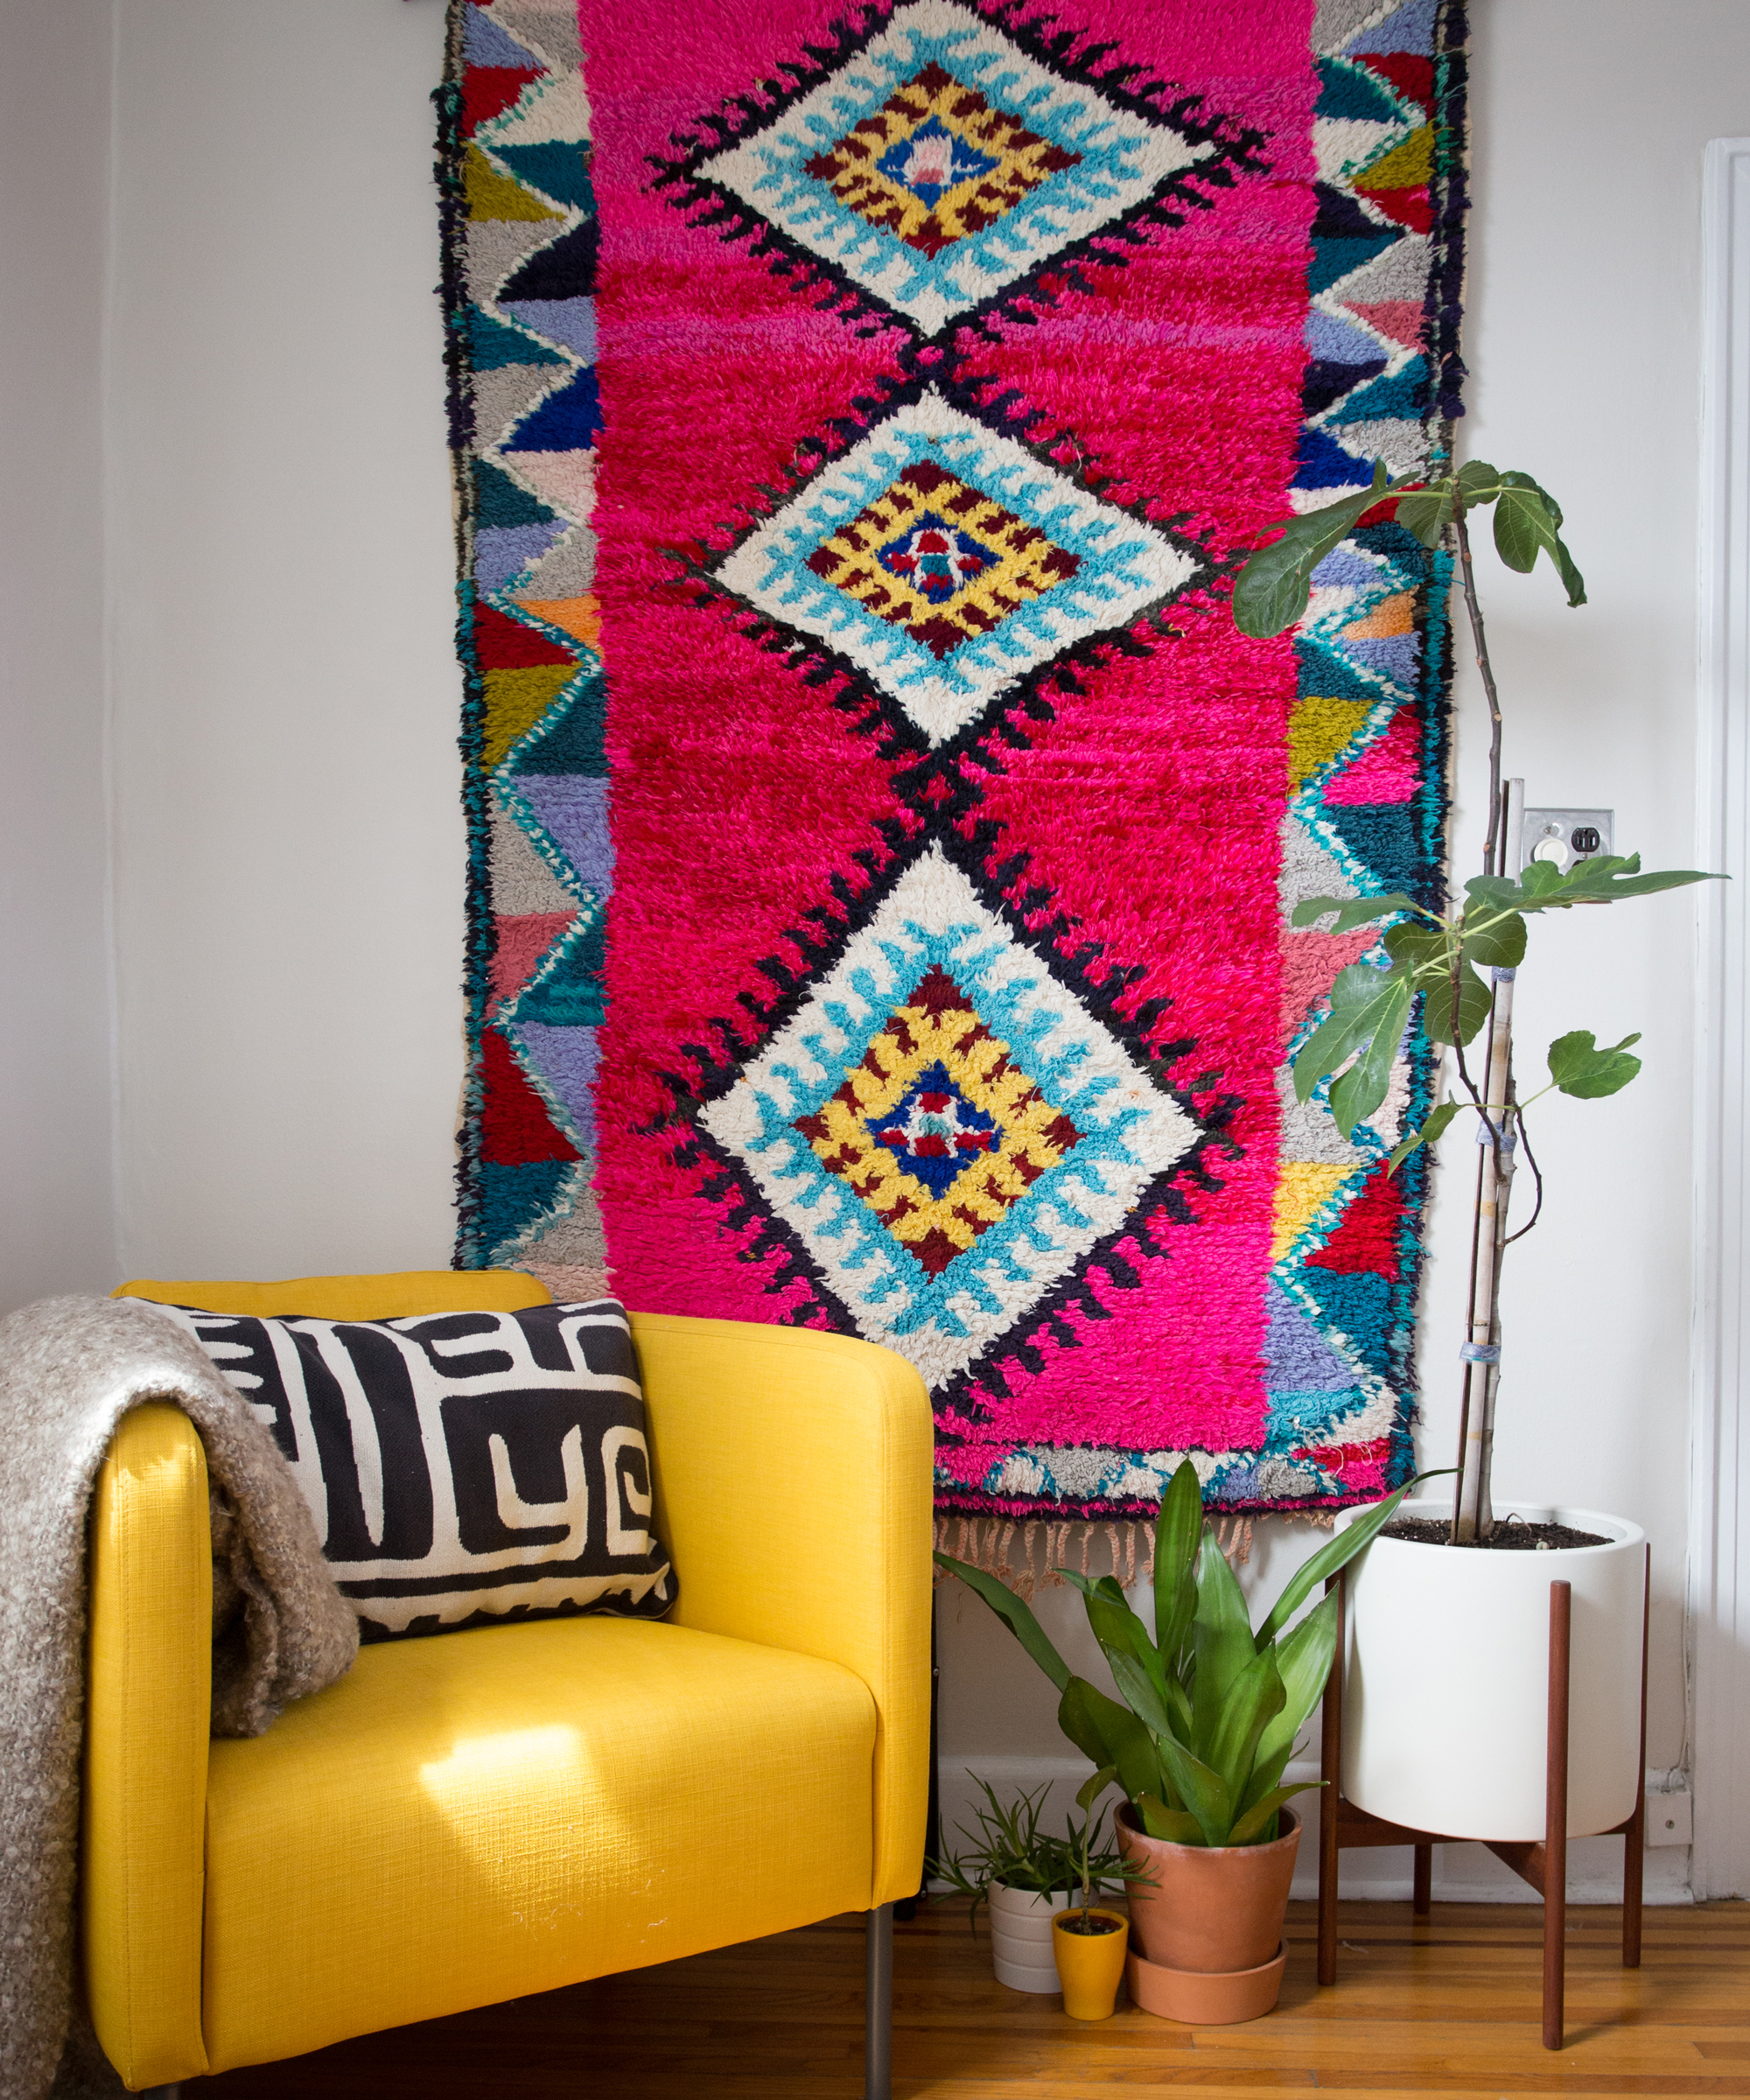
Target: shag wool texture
70 1369
943 361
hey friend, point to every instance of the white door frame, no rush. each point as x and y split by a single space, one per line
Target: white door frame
1718 1580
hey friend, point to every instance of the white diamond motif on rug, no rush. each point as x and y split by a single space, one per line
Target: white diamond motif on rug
945 563
947 1130
938 163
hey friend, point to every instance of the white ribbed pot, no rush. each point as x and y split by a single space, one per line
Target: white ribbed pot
1446 1698
1020 1937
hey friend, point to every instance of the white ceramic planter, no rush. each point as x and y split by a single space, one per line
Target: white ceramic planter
1020 1938
1445 1701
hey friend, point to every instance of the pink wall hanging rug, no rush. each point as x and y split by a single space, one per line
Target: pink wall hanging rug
858 417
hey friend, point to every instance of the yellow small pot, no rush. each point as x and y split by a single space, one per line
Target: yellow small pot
1090 1966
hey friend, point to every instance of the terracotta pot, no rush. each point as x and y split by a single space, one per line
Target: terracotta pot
1202 2000
1020 1938
1205 1909
1090 1966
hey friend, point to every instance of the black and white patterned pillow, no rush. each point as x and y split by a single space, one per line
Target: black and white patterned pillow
463 1469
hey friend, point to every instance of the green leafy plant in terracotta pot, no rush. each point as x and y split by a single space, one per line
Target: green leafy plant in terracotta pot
1444 1731
1198 1739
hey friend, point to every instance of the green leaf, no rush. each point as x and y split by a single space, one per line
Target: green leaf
1359 997
1091 1789
1513 479
1303 1656
1256 1699
1176 1826
1356 1092
1475 1000
1498 946
1424 514
1115 1625
1527 524
1076 1719
1579 1068
1251 1827
1202 1791
1437 1122
1478 482
1607 876
1351 911
1335 1554
1013 1613
1107 1734
1522 528
1222 1631
1422 947
1270 592
1177 1532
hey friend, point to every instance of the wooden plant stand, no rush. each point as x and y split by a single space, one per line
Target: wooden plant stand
1544 1864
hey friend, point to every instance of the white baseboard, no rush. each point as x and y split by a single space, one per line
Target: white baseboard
1463 1873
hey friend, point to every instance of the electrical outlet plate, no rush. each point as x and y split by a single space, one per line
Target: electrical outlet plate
1564 836
1670 1819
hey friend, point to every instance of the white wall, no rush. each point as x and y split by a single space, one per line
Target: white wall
289 842
56 1231
288 846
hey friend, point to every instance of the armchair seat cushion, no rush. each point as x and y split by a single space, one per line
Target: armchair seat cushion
505 1810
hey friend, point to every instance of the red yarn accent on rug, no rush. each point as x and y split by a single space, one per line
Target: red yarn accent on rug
1365 1243
502 644
515 1125
489 91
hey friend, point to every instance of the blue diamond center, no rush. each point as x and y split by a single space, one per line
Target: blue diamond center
935 559
935 1132
932 161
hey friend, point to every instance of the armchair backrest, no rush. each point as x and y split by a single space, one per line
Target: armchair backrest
400 1295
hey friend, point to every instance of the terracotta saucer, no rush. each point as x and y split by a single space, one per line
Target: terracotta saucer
1204 1999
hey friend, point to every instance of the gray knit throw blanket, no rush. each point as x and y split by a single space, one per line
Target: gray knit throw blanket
70 1369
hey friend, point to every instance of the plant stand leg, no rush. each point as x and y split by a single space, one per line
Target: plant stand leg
1424 1880
877 2012
1331 1771
1635 1837
1555 1818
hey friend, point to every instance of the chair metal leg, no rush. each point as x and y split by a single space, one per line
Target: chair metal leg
878 1991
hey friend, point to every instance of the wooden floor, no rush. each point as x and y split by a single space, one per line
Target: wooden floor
1449 2006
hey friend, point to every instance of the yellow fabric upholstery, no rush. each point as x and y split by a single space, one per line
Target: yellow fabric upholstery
476 1816
793 1487
468 1818
149 1694
399 1296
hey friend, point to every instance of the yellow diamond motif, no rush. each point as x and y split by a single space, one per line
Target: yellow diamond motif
1010 1133
997 561
936 163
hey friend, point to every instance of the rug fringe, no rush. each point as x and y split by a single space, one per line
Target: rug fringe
1027 1555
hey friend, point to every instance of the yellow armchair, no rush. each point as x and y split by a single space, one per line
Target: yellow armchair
477 1816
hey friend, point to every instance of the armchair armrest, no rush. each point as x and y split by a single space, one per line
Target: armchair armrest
793 1482
147 1721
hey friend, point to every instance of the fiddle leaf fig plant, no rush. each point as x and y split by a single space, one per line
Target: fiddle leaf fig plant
1434 958
1207 1710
